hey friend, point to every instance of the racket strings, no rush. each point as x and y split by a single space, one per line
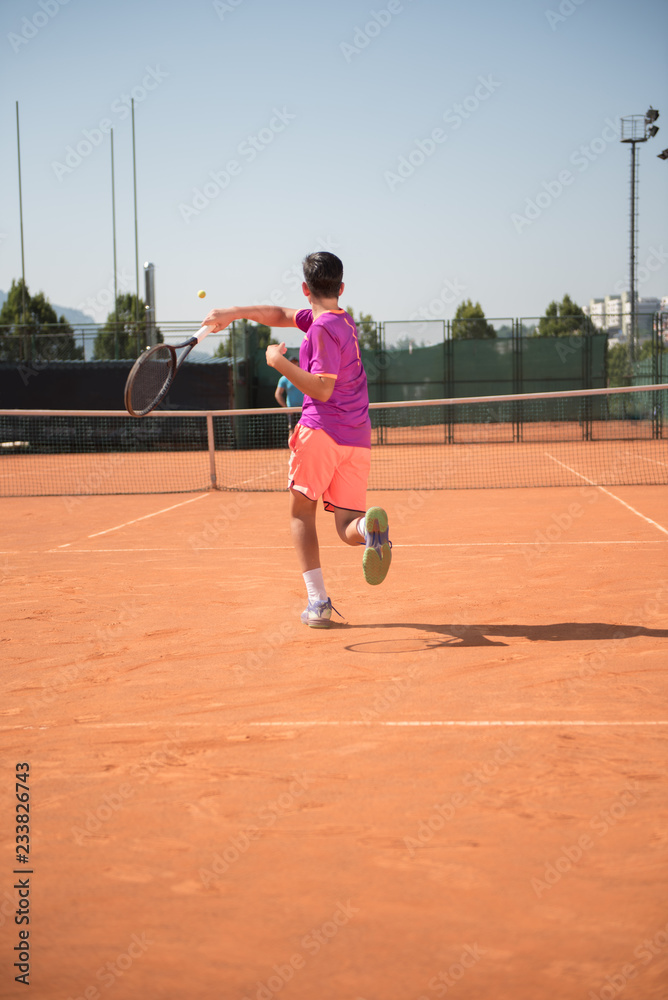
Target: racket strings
151 377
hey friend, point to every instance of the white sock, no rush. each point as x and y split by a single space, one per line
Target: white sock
360 527
315 585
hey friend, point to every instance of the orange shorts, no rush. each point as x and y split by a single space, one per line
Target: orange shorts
319 467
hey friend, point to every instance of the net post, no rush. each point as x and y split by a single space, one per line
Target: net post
212 449
517 331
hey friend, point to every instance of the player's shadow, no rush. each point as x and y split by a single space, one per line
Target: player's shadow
479 635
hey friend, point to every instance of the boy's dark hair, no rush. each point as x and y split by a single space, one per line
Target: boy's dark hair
323 273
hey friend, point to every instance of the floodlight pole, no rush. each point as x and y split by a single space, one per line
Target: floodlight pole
23 265
635 129
134 173
113 227
632 255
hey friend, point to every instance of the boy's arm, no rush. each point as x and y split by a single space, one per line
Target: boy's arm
218 319
318 387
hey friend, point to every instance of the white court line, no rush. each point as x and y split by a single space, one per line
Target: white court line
265 475
399 723
643 458
135 521
467 722
608 493
277 548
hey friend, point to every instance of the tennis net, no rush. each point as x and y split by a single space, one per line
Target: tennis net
601 436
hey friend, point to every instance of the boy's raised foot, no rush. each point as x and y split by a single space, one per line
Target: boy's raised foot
378 552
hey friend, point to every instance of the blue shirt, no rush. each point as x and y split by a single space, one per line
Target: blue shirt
293 395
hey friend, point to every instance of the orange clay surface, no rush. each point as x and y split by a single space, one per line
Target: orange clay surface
459 792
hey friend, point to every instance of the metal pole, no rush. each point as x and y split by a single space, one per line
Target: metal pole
211 441
23 266
632 256
149 293
134 171
113 226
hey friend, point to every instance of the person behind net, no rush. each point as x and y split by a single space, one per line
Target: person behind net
288 394
330 449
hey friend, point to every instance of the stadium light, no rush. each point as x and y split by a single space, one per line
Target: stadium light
663 155
635 129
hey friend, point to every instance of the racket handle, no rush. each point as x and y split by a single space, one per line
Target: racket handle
203 332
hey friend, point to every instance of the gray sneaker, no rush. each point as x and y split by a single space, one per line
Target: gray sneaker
318 614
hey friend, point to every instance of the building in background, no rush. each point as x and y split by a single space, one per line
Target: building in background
612 315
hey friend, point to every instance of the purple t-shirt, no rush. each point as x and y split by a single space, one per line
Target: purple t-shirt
330 347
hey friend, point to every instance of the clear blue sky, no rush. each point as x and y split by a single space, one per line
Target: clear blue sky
315 105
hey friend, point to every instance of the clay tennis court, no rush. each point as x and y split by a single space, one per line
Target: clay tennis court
460 791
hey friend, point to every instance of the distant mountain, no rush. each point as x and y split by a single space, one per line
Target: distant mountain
73 316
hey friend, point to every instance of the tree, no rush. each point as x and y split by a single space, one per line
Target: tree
257 337
30 330
470 323
368 333
564 319
123 335
619 364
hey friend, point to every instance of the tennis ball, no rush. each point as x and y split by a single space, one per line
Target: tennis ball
202 294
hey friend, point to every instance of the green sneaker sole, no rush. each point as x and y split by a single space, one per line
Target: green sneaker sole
375 566
375 519
375 569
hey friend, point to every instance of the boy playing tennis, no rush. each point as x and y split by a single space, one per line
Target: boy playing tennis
331 445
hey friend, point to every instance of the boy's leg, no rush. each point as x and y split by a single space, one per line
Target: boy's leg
304 535
348 525
354 526
305 538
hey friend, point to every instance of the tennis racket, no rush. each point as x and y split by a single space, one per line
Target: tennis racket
154 371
